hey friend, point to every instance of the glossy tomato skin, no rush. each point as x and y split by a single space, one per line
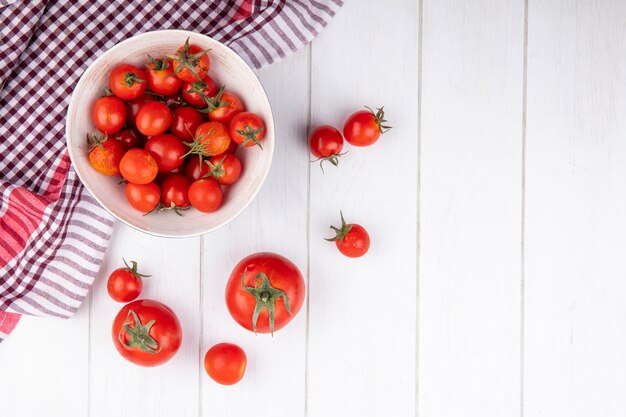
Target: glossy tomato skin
196 169
175 190
283 275
212 138
133 106
201 65
109 114
225 363
127 81
185 121
138 166
123 285
205 195
325 141
231 165
167 150
362 128
106 157
143 197
232 105
209 89
129 138
166 332
355 243
247 129
153 118
160 78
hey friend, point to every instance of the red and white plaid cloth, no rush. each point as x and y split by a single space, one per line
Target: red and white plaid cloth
53 234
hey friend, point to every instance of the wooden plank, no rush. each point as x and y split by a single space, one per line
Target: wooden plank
362 322
575 204
43 367
471 174
275 222
118 387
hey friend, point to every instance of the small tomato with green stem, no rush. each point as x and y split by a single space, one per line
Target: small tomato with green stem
326 144
247 129
351 239
190 62
364 127
125 284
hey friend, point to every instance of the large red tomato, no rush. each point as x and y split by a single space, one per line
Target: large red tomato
146 332
264 292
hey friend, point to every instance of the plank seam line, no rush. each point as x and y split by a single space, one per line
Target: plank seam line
420 14
523 205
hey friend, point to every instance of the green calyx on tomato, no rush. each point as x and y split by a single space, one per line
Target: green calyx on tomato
133 269
379 115
139 335
158 64
94 140
130 78
187 60
265 296
341 232
216 170
212 103
251 136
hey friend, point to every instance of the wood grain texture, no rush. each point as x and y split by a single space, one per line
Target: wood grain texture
471 173
39 376
275 222
118 387
362 311
575 224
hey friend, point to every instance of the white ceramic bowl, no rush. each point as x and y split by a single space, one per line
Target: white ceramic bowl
228 69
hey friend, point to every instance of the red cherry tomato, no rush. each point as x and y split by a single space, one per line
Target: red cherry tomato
146 332
185 121
364 127
191 62
194 93
127 81
175 192
109 114
153 118
247 129
143 197
138 166
351 239
225 363
264 292
210 138
225 168
167 150
125 284
175 100
132 107
224 106
105 155
160 77
205 195
130 138
326 144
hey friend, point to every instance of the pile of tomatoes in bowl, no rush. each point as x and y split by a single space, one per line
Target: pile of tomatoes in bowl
171 133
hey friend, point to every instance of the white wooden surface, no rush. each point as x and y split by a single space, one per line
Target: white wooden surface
494 285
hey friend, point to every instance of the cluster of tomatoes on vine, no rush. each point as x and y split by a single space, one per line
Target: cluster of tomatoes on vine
171 133
264 292
362 128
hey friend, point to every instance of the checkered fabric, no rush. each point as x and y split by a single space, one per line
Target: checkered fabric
54 234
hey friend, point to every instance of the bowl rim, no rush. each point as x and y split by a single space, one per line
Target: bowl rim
72 155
